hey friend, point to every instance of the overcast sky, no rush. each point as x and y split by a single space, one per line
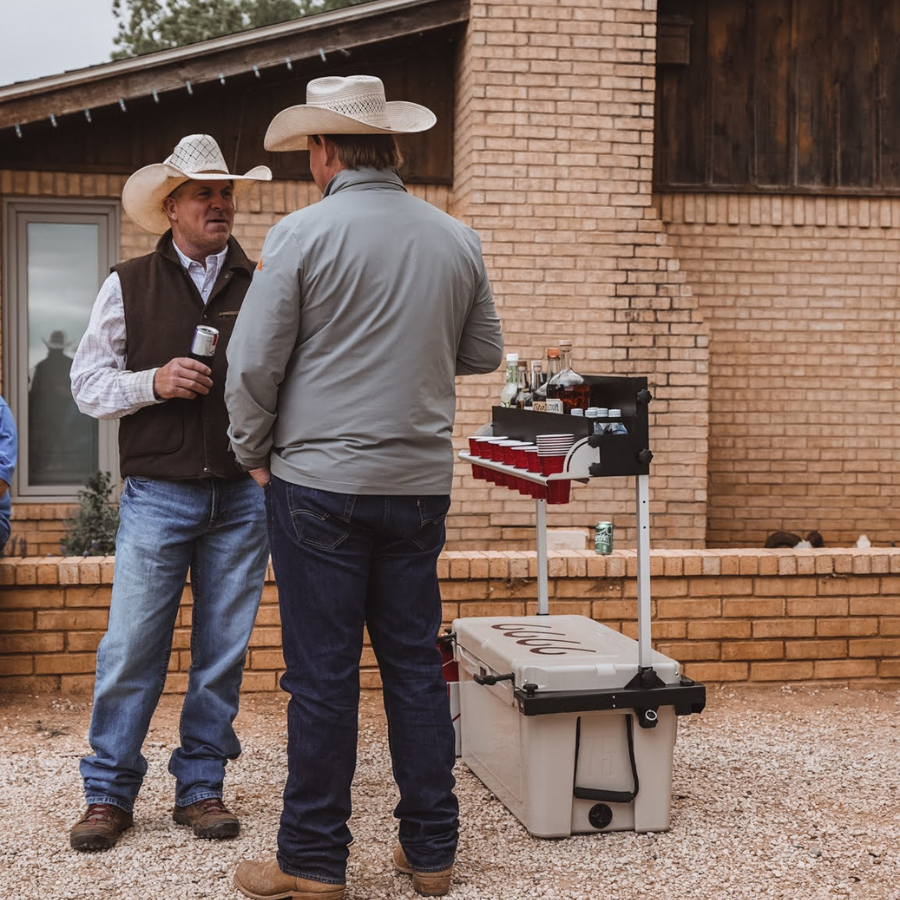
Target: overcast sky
46 37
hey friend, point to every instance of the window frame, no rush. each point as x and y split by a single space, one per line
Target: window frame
17 213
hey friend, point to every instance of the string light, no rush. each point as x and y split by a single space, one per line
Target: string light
122 105
53 120
87 115
190 90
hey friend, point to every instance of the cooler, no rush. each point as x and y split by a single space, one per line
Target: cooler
564 726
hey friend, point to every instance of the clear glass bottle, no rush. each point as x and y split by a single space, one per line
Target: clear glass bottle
511 388
523 396
539 401
567 390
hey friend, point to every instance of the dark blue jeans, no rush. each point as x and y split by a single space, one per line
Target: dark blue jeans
343 563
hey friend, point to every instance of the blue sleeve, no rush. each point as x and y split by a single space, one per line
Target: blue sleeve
9 443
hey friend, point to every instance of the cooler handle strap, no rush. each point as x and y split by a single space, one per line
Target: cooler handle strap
609 796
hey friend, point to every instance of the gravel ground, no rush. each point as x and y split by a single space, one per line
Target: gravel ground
780 793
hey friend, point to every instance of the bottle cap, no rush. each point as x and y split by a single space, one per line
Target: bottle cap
602 412
615 412
553 352
512 357
592 412
576 411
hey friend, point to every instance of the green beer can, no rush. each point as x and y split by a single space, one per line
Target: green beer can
603 537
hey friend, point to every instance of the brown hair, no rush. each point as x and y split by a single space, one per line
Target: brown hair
366 151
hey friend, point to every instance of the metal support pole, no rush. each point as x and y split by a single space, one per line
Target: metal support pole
541 528
642 499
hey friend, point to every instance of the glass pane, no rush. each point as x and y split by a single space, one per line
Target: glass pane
63 444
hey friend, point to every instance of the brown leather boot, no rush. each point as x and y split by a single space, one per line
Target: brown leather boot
209 818
430 884
266 881
100 827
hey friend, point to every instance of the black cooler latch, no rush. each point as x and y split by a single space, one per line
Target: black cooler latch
492 679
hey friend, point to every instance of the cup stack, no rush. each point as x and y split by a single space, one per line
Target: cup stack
552 452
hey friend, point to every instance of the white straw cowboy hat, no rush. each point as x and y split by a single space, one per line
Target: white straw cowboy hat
351 105
196 157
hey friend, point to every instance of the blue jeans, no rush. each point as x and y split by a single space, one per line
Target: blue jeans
217 530
344 562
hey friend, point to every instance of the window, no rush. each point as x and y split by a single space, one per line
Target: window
56 255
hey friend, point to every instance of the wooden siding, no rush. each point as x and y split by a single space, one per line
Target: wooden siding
780 95
236 113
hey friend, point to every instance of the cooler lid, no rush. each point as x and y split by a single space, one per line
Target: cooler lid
557 653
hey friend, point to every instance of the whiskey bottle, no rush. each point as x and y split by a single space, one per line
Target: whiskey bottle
567 390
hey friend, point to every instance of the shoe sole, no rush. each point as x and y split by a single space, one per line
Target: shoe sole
336 894
92 845
213 833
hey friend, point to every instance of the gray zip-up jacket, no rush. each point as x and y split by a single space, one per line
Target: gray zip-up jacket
363 309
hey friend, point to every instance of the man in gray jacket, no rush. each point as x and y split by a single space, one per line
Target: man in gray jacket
363 309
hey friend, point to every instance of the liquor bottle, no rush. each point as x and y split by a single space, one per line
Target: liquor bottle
539 399
511 388
523 395
567 390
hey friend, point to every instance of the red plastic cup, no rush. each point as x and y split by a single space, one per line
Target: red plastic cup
550 465
558 491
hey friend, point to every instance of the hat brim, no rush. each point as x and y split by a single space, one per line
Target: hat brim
292 126
145 190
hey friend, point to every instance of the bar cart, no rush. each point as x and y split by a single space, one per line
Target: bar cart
570 723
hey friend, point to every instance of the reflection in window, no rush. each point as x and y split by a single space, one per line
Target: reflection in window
63 444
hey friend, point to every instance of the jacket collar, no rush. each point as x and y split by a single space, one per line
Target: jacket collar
364 179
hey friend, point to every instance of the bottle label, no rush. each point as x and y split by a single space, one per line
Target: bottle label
554 405
539 406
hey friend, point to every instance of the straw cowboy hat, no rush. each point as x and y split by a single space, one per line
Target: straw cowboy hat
351 105
196 157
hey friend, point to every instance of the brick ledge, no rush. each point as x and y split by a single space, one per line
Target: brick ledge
460 565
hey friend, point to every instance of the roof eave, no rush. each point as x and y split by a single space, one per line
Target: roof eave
223 57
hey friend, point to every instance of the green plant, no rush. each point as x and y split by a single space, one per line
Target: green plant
92 530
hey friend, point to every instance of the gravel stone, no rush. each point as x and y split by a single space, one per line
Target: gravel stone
790 793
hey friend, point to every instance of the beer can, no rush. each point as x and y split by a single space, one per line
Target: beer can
603 537
204 343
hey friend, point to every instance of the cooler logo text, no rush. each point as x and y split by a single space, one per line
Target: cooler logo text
540 639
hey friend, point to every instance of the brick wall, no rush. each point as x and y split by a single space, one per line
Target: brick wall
553 156
742 616
801 298
41 525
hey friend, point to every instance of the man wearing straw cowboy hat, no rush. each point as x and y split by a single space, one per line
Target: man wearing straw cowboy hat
363 309
186 504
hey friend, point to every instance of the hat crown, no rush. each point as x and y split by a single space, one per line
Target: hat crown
359 97
197 153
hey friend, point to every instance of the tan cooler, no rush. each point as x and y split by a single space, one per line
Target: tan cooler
560 722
